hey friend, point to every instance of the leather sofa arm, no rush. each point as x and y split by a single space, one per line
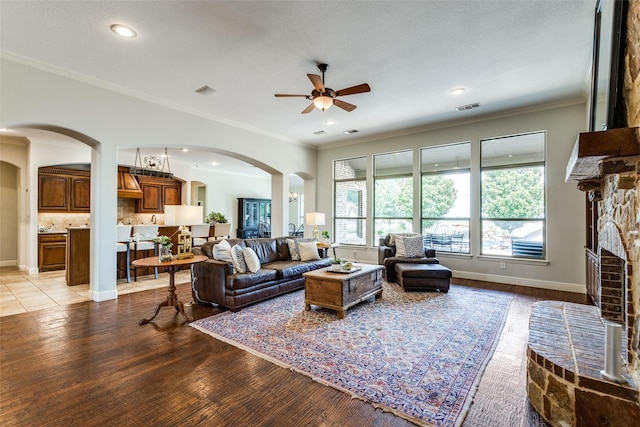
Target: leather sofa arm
210 278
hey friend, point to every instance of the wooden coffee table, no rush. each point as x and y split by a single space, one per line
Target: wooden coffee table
339 291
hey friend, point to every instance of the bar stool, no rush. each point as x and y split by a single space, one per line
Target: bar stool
143 236
123 244
199 234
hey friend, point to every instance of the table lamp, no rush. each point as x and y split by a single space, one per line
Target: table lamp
183 216
315 219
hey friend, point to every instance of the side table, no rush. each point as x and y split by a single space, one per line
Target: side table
171 267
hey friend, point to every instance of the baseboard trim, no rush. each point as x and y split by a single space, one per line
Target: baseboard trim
519 281
103 296
8 263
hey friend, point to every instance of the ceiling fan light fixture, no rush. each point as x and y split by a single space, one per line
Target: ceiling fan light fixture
322 102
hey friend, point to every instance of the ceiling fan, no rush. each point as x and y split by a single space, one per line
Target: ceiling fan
324 97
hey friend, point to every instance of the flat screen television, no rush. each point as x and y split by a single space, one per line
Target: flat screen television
609 42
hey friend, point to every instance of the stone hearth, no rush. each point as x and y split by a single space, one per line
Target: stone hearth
565 356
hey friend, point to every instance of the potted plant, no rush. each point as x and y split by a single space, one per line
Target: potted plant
336 264
165 247
215 217
325 235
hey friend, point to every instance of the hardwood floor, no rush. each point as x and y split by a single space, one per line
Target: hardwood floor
91 364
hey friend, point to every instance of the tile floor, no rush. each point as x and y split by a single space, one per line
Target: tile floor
21 292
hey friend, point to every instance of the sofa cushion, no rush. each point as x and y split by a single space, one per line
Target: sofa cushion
267 249
410 247
293 269
222 251
251 260
308 251
237 256
247 280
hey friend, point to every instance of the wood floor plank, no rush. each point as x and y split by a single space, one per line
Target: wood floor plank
91 364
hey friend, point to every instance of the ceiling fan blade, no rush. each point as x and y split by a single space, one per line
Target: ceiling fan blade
317 82
308 109
281 95
353 90
344 105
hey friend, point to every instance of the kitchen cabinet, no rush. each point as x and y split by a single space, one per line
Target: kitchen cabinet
51 251
158 192
78 256
252 213
80 191
64 190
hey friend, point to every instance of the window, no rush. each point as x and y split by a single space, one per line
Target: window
393 193
445 196
350 200
513 195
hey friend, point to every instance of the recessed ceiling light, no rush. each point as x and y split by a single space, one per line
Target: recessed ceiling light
457 91
123 31
329 122
184 150
214 163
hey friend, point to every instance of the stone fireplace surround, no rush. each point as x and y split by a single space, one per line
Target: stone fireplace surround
565 354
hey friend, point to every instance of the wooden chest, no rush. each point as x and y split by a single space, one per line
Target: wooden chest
339 291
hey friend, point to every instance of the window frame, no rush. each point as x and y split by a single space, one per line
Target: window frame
463 246
361 218
515 166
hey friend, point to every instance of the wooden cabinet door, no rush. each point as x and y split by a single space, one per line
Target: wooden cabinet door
51 252
80 190
53 195
151 201
171 195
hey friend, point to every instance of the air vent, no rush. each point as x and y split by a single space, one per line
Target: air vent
348 132
205 90
320 132
468 106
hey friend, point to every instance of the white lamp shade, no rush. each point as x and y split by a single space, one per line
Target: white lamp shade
183 215
314 218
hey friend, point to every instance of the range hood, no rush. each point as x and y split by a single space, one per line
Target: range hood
128 186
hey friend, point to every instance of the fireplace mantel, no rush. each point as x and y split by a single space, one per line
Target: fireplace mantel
593 148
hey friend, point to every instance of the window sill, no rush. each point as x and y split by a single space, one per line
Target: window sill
513 260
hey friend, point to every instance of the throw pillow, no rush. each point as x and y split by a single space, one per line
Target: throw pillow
251 260
222 251
293 250
238 259
293 247
394 236
409 247
308 251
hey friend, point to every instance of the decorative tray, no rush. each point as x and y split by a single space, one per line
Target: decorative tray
353 269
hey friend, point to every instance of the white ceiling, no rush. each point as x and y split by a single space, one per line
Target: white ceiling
509 55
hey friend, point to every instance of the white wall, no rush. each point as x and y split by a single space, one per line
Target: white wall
107 120
17 154
223 191
564 268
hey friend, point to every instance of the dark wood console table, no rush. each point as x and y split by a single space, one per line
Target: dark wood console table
171 267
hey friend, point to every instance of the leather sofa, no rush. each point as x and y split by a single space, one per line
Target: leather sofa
215 280
387 257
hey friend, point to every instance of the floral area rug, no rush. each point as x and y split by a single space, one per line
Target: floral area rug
419 355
